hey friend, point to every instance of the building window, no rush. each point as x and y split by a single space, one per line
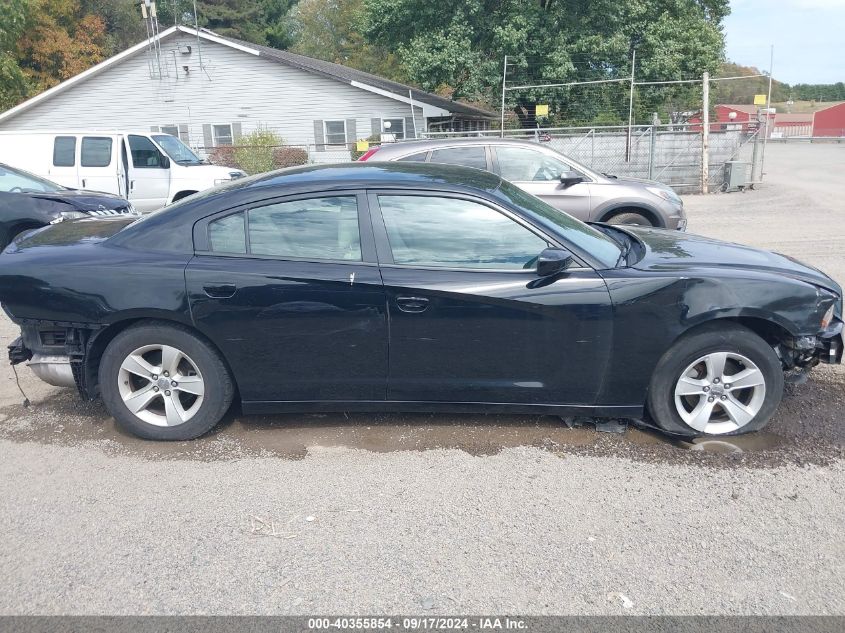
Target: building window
222 134
335 132
396 128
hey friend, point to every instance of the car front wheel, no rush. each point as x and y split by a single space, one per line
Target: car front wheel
630 217
162 382
719 380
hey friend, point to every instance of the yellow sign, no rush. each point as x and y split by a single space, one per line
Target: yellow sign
542 109
759 99
362 146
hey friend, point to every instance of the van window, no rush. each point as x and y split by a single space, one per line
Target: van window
96 151
144 152
64 151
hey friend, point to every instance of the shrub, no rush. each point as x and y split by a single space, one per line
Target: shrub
254 151
289 157
223 155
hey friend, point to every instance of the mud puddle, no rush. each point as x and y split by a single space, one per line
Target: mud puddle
63 420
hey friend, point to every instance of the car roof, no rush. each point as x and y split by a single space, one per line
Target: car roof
421 145
357 175
306 180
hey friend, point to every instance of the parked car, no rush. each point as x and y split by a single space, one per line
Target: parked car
29 202
150 169
400 286
554 178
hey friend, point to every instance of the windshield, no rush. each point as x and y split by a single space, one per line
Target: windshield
17 181
594 243
177 150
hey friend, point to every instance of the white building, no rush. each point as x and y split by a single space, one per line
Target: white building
209 90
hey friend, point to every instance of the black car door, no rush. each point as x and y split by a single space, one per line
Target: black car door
290 290
470 320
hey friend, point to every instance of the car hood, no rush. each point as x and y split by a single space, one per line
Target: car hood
675 251
82 200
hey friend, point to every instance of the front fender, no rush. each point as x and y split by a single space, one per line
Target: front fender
652 310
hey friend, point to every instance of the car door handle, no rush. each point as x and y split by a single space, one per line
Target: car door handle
412 304
220 291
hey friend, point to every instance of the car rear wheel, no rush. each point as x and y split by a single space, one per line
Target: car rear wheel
720 380
162 382
630 217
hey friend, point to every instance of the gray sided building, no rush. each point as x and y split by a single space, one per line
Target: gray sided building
209 90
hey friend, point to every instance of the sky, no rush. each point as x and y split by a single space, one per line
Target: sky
808 36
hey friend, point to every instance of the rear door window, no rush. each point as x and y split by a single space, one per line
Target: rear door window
96 151
64 151
316 228
521 164
473 156
419 157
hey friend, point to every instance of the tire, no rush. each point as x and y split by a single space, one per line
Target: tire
186 398
630 217
687 378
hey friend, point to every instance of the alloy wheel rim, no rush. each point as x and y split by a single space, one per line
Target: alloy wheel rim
719 393
161 385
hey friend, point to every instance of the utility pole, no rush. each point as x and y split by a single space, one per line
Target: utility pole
768 108
705 133
630 107
504 79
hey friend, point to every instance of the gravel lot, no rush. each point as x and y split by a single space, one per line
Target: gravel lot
444 514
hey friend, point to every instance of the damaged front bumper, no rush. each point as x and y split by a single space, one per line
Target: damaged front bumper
831 343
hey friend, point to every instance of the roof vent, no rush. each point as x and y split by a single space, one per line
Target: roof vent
185 50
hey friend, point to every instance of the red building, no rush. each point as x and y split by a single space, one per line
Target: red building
830 121
780 124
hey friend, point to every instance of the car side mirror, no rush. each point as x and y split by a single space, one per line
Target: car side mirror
569 178
165 162
553 261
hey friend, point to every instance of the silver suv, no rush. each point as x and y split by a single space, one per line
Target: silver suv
557 179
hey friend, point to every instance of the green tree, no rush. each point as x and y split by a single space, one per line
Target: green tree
331 30
60 40
122 18
742 91
819 92
458 47
14 86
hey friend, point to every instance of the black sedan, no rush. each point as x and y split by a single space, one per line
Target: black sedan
28 202
394 286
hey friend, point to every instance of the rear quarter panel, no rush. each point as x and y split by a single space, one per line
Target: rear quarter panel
92 284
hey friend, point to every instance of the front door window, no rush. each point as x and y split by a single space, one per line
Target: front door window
456 233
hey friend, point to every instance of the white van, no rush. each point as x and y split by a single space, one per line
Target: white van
150 169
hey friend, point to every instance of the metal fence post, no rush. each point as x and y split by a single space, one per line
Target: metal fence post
631 106
652 147
504 84
705 133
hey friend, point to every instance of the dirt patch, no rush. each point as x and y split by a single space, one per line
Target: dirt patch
808 428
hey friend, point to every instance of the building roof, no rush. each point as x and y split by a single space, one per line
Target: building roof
780 117
356 77
338 72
